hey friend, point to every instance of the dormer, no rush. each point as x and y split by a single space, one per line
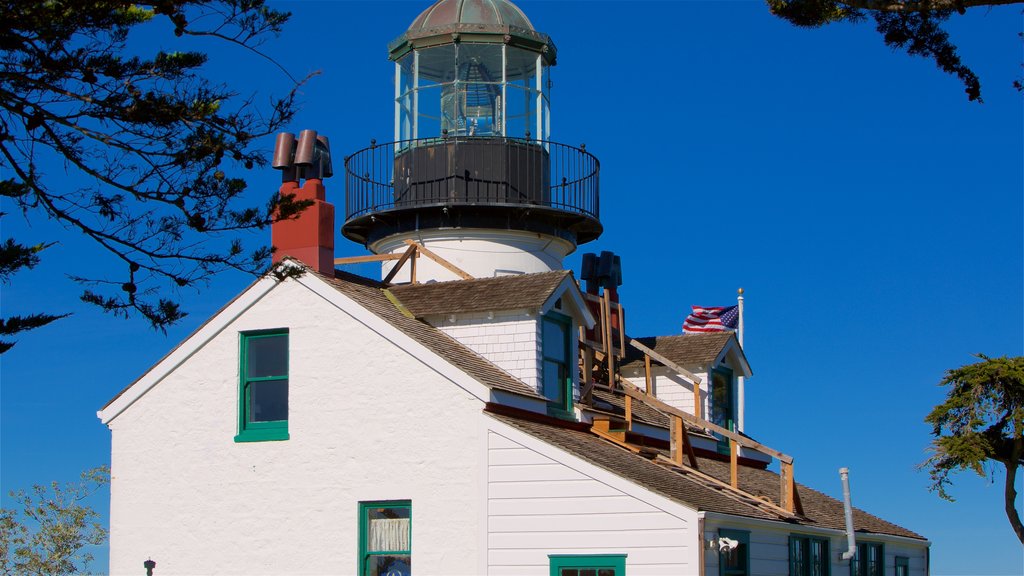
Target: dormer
714 357
526 324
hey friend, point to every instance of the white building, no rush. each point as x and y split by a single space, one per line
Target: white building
432 424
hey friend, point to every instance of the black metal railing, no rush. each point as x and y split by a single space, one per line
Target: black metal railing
459 170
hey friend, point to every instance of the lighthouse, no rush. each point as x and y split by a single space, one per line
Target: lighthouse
472 175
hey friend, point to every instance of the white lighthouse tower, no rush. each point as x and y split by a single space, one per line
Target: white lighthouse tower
472 175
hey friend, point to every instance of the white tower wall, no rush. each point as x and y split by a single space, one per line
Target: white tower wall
481 253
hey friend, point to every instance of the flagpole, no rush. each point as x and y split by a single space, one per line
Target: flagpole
740 381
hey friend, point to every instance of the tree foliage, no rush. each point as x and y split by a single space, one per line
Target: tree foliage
911 25
49 535
138 152
981 421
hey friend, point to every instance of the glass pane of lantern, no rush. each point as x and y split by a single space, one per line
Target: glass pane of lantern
479 89
388 530
266 356
389 565
521 66
268 400
437 65
520 111
429 107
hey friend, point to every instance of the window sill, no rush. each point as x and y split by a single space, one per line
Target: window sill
561 413
266 435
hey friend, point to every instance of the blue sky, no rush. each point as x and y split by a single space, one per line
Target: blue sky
872 214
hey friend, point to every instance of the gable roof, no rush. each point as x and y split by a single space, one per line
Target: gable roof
370 295
819 509
683 349
480 294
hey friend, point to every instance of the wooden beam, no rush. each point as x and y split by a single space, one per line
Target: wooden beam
698 406
788 487
609 346
740 494
676 431
444 263
398 265
679 442
629 413
631 390
734 468
362 259
588 374
679 369
622 329
412 266
647 375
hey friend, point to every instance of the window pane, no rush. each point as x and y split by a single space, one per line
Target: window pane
606 572
569 572
268 401
588 572
389 565
554 381
388 530
554 338
267 356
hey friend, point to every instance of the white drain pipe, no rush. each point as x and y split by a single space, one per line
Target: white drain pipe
844 473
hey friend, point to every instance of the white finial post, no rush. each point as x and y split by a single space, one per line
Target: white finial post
740 403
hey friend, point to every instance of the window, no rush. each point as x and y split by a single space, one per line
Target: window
556 380
868 561
902 566
385 538
808 556
579 565
734 560
722 401
263 386
723 404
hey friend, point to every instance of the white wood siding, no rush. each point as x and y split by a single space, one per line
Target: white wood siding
769 549
539 506
673 389
510 339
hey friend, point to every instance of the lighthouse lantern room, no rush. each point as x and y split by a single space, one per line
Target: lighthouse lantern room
472 173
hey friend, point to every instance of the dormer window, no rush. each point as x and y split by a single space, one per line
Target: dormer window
556 378
723 397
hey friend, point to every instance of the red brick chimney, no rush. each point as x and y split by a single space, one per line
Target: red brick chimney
310 236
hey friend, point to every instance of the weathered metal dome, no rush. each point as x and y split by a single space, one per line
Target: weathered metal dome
488 12
479 21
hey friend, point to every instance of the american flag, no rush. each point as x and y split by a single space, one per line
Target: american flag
711 319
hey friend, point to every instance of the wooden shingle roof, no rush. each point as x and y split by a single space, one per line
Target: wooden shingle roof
479 295
819 509
683 349
370 295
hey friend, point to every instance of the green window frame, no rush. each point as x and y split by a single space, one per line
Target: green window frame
375 558
587 564
808 556
869 560
902 566
263 373
556 363
736 561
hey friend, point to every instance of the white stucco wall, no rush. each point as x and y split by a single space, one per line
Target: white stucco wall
769 548
542 501
367 422
481 253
